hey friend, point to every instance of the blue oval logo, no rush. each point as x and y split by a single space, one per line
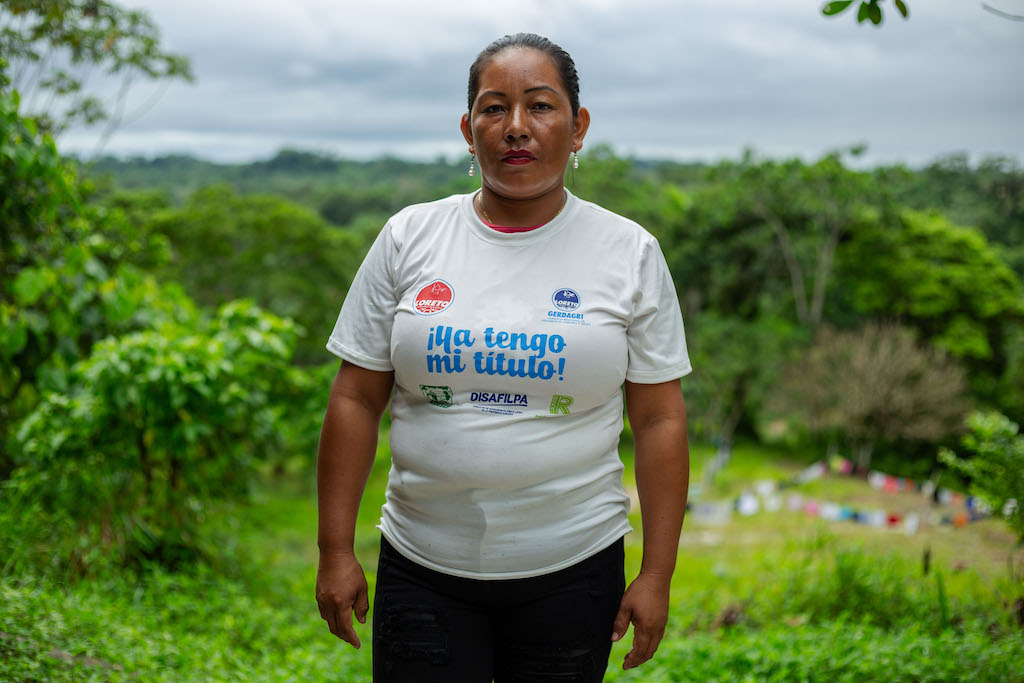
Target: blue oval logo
566 299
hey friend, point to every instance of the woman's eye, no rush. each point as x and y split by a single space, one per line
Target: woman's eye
542 105
494 108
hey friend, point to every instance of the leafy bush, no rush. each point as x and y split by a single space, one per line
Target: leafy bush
154 425
283 256
64 279
995 466
833 651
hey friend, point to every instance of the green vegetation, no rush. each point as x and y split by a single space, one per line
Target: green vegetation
996 465
163 380
776 598
50 48
867 10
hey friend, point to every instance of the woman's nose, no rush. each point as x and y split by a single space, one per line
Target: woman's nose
516 126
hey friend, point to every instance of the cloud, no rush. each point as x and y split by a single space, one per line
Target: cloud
684 80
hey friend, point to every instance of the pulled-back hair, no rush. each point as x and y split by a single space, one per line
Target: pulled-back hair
561 59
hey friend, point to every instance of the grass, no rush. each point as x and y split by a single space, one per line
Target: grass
773 597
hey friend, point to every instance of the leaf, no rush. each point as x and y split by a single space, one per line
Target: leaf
96 269
15 336
29 285
835 7
863 12
902 7
875 13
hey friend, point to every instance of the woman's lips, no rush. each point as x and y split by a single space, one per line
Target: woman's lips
518 158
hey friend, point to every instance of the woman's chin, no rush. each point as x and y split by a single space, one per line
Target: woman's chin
520 187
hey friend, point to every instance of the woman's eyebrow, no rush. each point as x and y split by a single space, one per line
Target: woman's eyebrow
528 90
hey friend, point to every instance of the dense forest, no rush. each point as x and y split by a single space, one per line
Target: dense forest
770 258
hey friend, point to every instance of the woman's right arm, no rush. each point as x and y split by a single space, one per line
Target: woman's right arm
348 443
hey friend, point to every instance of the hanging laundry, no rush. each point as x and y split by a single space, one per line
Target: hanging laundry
711 513
977 508
830 511
748 504
815 471
877 518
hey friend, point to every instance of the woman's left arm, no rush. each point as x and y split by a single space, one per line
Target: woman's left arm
657 416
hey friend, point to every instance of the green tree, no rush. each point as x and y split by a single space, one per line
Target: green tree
944 281
64 283
49 49
735 362
285 257
619 185
752 251
761 236
989 196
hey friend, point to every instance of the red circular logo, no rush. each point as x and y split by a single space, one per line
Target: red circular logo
434 298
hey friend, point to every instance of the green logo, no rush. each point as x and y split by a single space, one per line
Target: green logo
560 404
438 396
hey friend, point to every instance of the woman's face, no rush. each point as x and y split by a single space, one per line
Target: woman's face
521 127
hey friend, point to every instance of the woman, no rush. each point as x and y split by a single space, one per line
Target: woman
507 322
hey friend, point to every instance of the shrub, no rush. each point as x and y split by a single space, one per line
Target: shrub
154 425
995 466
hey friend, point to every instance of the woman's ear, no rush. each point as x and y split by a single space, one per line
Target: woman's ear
580 127
467 132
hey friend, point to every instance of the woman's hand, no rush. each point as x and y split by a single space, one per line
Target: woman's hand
645 603
341 589
348 442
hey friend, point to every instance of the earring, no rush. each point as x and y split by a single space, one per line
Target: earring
575 161
472 168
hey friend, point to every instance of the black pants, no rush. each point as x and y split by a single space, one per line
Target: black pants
432 627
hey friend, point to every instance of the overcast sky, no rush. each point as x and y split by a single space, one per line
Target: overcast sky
682 79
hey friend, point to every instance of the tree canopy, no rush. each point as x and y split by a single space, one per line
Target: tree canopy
50 48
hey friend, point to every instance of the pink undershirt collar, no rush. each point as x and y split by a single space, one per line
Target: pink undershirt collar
505 228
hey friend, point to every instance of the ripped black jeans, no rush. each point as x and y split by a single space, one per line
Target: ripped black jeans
431 627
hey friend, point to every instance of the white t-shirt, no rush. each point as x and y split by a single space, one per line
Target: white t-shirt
509 352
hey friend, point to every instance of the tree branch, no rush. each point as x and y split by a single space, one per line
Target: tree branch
825 257
796 275
1000 13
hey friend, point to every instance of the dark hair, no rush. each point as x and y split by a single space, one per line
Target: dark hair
563 63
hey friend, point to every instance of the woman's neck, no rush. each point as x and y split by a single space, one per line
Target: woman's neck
498 210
